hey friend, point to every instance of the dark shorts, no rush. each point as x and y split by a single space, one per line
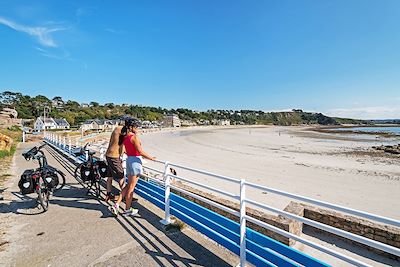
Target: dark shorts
116 169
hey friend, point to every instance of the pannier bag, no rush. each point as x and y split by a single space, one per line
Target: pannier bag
27 184
86 173
51 179
103 169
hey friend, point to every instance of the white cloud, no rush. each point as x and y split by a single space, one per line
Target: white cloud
111 30
378 112
42 34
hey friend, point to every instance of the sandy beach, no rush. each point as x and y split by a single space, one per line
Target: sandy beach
334 168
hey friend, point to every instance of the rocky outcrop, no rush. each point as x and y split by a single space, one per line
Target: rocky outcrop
395 149
5 142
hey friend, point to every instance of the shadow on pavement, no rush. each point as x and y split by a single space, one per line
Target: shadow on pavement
24 205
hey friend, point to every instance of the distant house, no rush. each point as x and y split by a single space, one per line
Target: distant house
57 103
99 125
171 120
221 122
50 123
90 125
105 124
62 123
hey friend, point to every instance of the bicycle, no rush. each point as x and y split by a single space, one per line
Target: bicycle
43 180
90 171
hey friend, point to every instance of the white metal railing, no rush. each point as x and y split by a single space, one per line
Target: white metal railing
243 200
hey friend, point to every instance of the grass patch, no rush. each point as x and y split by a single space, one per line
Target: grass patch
177 225
5 153
6 156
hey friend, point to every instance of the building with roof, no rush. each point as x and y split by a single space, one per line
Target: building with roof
50 124
171 120
99 125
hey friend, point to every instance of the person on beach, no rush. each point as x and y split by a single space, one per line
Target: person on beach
113 158
133 148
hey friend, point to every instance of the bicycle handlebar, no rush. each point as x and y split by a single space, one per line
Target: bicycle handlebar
33 152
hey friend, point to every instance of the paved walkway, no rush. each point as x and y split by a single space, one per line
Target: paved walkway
78 230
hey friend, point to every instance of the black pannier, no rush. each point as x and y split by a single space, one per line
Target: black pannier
27 184
51 179
103 169
86 173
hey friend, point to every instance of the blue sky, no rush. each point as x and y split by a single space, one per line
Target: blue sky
338 57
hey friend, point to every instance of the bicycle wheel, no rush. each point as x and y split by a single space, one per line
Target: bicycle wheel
77 173
62 180
43 197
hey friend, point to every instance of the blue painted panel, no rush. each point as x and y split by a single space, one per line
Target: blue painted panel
182 207
150 191
257 260
289 252
150 198
206 231
153 186
218 218
269 254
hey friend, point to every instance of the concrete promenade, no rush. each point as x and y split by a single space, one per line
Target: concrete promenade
78 230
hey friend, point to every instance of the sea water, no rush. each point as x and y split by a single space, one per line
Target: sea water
393 130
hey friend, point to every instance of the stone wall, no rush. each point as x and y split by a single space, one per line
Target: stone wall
375 231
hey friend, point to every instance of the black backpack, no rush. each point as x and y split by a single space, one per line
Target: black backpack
51 178
27 184
86 173
103 169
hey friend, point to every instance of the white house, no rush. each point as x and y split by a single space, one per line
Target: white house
98 124
90 125
50 123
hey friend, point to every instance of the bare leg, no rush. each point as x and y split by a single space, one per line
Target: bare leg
132 180
109 184
123 192
121 183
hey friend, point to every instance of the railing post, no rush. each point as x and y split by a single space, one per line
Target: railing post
64 143
102 151
242 223
167 181
69 145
